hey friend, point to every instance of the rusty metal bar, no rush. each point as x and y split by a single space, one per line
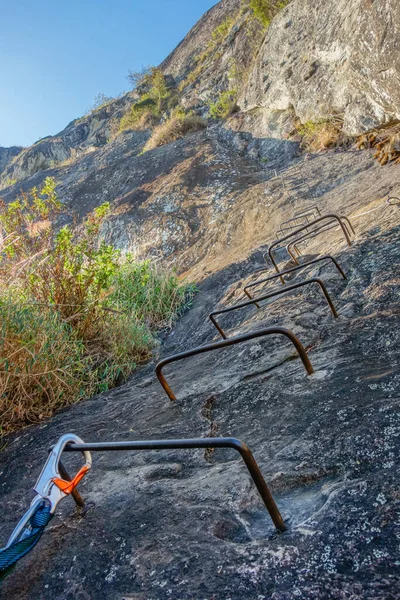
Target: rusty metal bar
286 227
287 237
297 250
292 270
297 217
301 212
312 234
279 292
308 235
347 220
232 341
195 443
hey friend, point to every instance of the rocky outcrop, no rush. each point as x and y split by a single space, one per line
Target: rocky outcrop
80 137
329 58
182 60
211 60
315 60
7 155
185 525
164 202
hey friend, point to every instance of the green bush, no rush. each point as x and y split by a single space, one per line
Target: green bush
155 97
265 10
151 295
224 106
138 115
261 10
76 315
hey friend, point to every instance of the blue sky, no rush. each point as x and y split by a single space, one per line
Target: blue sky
56 56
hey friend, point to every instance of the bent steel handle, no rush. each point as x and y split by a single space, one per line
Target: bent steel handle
292 270
230 342
293 233
315 233
187 444
298 216
279 292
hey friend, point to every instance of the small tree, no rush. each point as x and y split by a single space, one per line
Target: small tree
101 100
224 106
159 90
154 98
139 78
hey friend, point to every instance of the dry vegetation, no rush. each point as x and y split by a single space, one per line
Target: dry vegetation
322 134
386 141
176 127
76 316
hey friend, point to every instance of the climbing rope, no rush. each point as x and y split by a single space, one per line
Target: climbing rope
391 201
50 488
13 552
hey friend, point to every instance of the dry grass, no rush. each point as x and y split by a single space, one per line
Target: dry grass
42 366
321 135
386 141
173 129
76 316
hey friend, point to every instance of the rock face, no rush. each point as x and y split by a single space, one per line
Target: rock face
337 58
186 525
315 60
80 137
204 69
181 60
7 155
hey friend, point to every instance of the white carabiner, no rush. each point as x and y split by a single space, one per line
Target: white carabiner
50 485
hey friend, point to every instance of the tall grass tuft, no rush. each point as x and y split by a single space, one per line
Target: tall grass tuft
177 126
76 316
43 366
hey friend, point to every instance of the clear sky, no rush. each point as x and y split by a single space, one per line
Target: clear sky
57 55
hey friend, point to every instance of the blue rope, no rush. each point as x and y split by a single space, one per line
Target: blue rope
10 555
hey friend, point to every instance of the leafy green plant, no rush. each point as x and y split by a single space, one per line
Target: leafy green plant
261 10
77 315
159 90
265 10
154 99
222 31
140 115
224 106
